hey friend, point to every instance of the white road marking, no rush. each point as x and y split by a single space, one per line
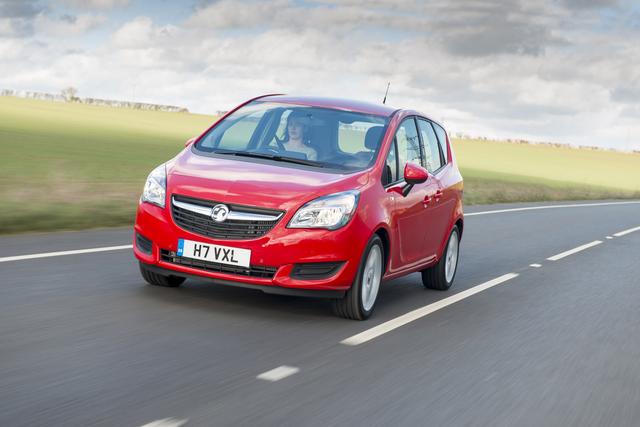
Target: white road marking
609 237
167 422
62 253
278 373
535 208
574 250
625 232
535 265
411 316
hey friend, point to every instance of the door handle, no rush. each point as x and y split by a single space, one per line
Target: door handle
426 201
438 195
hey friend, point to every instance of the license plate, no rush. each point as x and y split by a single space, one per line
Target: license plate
214 253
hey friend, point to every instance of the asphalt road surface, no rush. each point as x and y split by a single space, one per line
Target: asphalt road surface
84 342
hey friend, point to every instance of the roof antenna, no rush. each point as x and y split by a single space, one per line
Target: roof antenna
385 93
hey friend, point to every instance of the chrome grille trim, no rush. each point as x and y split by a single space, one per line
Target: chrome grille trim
233 215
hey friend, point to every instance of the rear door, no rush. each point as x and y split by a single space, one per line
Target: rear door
449 177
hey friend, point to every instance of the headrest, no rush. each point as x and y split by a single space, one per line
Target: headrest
372 138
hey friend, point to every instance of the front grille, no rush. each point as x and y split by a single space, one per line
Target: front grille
252 271
230 229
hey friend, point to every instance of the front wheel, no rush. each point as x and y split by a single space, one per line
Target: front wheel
359 301
441 275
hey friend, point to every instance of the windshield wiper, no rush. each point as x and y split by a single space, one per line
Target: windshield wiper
275 157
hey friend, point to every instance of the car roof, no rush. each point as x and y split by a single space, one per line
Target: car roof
336 103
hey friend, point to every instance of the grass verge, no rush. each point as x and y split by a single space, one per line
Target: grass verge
72 166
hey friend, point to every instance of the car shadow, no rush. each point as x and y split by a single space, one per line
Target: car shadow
395 296
204 295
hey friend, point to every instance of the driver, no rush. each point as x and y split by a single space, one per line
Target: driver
296 135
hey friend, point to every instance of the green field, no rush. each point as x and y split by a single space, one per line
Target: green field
497 172
73 166
76 166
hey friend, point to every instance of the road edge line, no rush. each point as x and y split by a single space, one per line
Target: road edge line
535 208
64 253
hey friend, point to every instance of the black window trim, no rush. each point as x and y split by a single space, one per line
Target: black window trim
423 157
443 145
442 162
394 144
397 160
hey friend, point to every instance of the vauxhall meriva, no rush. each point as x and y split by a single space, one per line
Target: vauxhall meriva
306 196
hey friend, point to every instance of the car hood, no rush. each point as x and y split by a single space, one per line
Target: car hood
254 182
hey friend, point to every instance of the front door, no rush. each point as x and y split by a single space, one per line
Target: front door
412 212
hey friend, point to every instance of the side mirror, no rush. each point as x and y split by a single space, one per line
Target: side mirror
190 141
413 174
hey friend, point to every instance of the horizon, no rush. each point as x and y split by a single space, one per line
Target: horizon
453 133
565 71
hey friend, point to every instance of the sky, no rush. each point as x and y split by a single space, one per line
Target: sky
564 71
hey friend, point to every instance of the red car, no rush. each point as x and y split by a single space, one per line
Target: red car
306 196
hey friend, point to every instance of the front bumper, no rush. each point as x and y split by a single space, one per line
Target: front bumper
280 251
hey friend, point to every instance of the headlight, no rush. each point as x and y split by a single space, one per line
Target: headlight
156 186
331 212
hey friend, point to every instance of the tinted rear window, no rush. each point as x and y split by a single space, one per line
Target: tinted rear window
442 139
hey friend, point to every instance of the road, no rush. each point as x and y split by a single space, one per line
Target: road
84 342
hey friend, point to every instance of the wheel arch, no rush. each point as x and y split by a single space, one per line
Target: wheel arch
460 223
383 233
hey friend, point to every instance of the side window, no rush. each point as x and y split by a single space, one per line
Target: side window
352 136
431 149
408 144
442 137
390 173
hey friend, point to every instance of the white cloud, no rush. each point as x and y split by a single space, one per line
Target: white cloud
67 25
95 4
522 69
137 33
15 27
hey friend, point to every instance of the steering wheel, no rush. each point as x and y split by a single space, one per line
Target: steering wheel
267 150
270 150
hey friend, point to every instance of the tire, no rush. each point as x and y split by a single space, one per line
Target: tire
441 276
156 279
358 303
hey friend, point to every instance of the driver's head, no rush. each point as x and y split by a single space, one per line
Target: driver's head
298 124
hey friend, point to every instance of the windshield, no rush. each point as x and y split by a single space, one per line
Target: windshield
313 136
